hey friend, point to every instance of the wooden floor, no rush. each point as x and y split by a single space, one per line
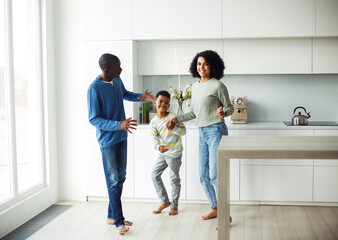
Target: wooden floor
87 220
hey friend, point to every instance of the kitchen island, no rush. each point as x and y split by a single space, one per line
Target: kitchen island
264 147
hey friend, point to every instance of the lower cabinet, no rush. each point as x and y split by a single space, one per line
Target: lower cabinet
276 183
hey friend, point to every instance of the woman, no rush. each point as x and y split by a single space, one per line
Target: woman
210 104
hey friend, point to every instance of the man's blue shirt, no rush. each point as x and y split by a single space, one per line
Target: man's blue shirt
106 110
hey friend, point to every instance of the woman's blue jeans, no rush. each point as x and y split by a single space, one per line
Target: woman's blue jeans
114 160
209 139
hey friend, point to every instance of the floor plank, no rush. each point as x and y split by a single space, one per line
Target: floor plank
285 223
331 219
252 227
237 213
187 223
318 224
165 231
269 223
301 222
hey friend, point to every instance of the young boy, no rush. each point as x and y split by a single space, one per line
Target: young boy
169 145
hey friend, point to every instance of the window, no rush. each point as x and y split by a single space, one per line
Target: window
21 118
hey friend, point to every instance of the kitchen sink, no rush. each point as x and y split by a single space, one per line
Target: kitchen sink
314 123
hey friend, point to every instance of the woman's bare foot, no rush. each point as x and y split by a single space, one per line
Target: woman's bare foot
173 211
211 214
122 229
111 221
161 207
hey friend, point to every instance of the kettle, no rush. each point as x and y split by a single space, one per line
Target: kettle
300 119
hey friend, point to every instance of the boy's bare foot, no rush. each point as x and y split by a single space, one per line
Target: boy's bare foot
173 211
211 214
122 229
111 221
161 207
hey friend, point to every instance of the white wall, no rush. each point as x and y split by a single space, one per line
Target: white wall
68 97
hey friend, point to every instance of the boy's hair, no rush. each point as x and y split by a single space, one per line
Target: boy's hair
213 59
163 93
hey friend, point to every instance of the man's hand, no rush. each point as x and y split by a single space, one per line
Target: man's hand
128 124
163 148
171 123
147 95
220 113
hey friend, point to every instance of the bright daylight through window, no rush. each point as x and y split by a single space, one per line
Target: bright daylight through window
21 128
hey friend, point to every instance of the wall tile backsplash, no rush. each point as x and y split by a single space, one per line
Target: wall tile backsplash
271 97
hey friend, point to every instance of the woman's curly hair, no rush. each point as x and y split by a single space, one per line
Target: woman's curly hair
215 62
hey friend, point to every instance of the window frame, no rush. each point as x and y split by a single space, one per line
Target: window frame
16 197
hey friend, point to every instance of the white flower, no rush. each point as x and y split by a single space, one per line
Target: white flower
181 96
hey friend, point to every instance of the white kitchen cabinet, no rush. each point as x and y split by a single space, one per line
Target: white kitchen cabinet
325 55
325 175
268 18
326 18
106 20
268 56
174 19
276 183
159 58
144 159
194 188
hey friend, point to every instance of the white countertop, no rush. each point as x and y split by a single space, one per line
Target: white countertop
260 126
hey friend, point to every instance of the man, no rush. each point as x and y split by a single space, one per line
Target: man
106 112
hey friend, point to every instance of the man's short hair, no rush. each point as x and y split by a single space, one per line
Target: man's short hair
105 59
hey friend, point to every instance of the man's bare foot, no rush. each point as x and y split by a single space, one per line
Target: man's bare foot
211 214
111 221
173 211
122 229
161 207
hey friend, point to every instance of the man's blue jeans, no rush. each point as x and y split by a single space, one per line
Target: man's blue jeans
209 139
114 160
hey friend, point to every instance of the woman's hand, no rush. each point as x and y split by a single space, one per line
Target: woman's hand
147 95
220 113
171 123
128 124
163 149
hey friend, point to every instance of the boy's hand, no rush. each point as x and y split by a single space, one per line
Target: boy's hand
220 113
163 148
171 123
147 95
128 124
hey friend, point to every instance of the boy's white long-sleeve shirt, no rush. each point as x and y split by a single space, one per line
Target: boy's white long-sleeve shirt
169 138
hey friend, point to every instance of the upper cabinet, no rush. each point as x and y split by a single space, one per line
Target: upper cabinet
106 19
175 19
327 18
325 55
171 57
269 18
268 56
